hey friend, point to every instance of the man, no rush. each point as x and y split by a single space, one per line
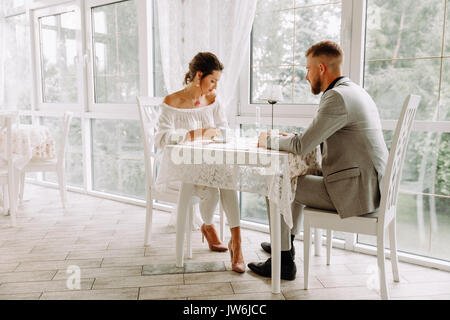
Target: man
347 127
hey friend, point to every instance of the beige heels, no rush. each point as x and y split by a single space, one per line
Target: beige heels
237 260
210 234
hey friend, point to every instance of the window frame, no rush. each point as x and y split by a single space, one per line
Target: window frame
145 54
36 14
287 114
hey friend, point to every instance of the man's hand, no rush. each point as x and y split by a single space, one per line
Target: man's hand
262 139
286 134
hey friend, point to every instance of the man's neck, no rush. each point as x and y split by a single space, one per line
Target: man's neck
329 80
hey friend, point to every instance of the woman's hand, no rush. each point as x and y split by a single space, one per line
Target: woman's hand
210 133
203 134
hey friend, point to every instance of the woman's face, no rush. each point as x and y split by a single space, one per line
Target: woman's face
209 83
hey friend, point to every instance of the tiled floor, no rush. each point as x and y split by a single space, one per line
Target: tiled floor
105 240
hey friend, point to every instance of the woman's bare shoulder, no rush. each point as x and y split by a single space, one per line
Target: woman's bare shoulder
174 99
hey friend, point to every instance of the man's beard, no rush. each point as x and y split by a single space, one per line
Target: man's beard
316 87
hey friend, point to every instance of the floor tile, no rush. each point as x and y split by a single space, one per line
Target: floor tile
21 296
138 281
349 293
105 294
102 272
55 265
185 291
26 276
41 286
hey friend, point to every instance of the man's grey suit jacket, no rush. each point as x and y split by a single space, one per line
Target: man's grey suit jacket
354 153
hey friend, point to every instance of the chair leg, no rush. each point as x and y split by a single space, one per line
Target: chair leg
22 187
306 250
189 223
148 219
329 245
317 242
12 188
222 222
5 200
184 202
393 247
382 267
62 186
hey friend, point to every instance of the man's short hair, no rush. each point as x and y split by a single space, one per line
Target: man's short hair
326 48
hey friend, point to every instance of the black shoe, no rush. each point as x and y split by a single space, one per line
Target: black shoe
288 267
266 247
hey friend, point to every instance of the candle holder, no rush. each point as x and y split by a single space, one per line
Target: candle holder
272 94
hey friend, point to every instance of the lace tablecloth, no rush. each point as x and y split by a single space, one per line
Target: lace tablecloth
238 165
29 142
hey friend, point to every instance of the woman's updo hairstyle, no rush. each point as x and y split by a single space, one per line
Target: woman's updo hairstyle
205 62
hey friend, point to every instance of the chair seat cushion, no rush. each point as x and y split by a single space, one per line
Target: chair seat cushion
324 219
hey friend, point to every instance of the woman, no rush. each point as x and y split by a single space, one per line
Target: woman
195 110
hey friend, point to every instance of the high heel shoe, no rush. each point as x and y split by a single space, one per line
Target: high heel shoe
237 261
210 234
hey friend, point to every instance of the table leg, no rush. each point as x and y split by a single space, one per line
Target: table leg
275 240
317 241
184 201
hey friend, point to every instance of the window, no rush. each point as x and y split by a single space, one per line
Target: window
116 52
282 32
58 53
407 51
118 158
59 68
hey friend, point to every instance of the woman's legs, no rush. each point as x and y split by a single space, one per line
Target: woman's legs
230 205
208 203
209 197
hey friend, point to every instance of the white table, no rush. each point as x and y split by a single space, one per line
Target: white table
238 165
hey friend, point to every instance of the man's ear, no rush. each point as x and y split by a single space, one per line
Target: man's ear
322 68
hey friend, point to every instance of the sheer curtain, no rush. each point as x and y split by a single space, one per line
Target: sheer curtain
223 27
2 45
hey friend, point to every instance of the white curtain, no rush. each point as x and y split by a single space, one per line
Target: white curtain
2 46
223 27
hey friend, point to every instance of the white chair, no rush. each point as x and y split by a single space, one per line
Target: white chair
372 224
8 176
148 118
52 165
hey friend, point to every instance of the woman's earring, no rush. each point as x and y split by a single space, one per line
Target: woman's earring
198 84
